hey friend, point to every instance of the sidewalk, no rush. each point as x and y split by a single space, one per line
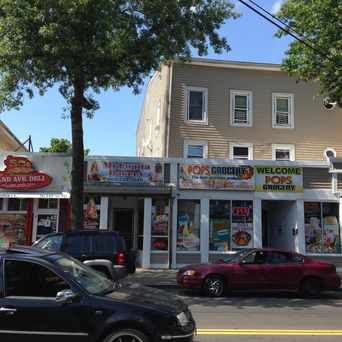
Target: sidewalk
161 278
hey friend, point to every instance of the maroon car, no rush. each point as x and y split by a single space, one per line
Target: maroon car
260 270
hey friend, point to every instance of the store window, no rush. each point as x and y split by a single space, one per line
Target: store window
12 229
188 225
242 224
48 203
17 204
160 225
322 229
219 225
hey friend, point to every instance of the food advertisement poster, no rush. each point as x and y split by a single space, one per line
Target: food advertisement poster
279 179
47 223
313 227
92 213
125 172
12 229
160 218
216 177
242 224
219 234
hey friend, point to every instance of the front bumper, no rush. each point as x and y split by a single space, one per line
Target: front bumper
332 282
189 282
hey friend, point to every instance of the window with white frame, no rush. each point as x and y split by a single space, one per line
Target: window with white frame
241 108
197 104
195 149
241 151
282 110
283 152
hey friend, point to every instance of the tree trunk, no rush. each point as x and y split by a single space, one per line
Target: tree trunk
77 173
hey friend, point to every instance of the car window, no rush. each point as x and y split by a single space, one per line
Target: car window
27 279
105 243
77 244
279 258
296 259
256 257
50 243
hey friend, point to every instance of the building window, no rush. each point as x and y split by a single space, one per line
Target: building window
17 204
241 151
1 204
197 104
282 110
283 152
188 225
241 108
48 203
322 228
195 149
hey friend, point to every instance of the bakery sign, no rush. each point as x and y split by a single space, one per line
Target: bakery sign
19 174
216 177
279 179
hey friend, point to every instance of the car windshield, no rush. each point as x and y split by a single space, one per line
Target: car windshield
85 276
236 257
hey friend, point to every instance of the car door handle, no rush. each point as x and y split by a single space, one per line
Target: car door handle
8 311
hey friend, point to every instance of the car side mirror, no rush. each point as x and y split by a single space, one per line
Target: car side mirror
66 297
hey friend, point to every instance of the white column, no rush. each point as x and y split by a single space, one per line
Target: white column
204 230
300 226
257 222
174 232
104 213
35 219
146 259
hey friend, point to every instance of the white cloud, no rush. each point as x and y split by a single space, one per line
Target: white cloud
276 6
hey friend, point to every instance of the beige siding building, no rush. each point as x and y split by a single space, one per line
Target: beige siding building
233 110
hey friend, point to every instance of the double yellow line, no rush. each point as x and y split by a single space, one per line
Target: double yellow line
279 332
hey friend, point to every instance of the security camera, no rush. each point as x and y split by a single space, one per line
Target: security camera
329 153
328 104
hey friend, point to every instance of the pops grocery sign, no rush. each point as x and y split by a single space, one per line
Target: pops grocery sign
19 174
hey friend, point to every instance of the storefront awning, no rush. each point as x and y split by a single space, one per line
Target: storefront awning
36 194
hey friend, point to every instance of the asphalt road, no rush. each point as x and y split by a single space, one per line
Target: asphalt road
268 317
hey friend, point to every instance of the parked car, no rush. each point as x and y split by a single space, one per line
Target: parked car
56 297
104 251
260 270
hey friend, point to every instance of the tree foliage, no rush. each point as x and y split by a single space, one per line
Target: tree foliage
319 21
60 146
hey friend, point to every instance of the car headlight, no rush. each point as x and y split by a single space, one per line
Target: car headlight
190 273
183 319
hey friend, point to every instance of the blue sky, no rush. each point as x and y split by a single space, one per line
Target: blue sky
112 130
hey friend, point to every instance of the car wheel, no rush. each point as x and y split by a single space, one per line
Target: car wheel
126 335
311 287
214 286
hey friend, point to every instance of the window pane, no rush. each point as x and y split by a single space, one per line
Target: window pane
219 236
282 104
52 243
26 279
241 101
240 152
53 203
12 229
43 203
74 244
188 230
257 257
282 119
104 244
195 105
313 227
331 228
279 258
282 154
195 151
240 116
14 204
1 204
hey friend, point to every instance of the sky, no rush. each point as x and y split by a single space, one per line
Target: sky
112 130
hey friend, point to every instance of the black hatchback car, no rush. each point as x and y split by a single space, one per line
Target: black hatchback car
52 296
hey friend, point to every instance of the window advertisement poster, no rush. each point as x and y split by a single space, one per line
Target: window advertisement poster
92 213
219 225
242 224
46 224
12 229
121 172
279 179
313 227
331 228
188 230
216 177
160 225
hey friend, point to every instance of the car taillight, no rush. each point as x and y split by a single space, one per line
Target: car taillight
120 259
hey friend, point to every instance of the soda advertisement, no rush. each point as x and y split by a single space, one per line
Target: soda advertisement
242 224
216 177
125 172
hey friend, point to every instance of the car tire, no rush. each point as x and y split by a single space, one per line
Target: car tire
132 334
311 287
214 286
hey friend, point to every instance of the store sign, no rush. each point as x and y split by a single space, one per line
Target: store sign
279 179
216 177
19 174
125 172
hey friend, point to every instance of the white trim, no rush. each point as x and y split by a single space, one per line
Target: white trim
290 98
204 230
204 91
146 259
290 148
231 150
249 95
104 213
6 194
202 143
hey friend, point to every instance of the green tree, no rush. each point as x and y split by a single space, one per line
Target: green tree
85 46
60 146
319 22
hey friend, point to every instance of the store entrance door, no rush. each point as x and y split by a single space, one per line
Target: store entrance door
279 220
123 222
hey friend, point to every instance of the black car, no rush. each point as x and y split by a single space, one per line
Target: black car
88 246
52 296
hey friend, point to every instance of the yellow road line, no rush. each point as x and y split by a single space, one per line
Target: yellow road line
284 332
